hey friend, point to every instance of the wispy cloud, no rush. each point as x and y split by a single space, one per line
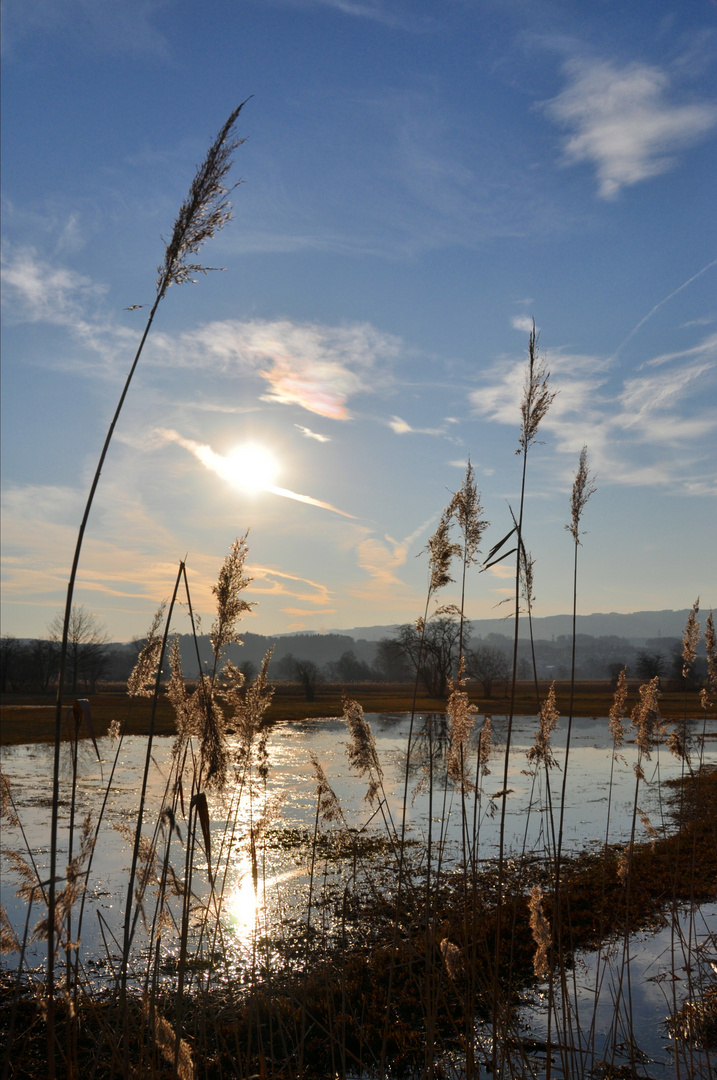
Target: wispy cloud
522 322
382 558
224 468
269 581
627 427
101 26
39 291
657 306
402 427
309 434
312 365
623 122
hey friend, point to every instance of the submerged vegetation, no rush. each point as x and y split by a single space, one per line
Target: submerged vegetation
407 958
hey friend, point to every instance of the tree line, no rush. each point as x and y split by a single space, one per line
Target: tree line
30 665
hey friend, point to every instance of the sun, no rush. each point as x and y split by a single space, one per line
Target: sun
251 467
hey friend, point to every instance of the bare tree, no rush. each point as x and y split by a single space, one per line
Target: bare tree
87 652
45 656
391 662
349 669
303 671
488 665
10 649
650 665
438 655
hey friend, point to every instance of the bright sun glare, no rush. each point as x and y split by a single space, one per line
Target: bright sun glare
251 467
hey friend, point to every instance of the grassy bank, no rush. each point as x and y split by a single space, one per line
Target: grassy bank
30 719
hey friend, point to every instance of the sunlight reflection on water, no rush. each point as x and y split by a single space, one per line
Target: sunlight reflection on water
275 893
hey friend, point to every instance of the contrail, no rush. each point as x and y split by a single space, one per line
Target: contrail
217 464
306 499
658 306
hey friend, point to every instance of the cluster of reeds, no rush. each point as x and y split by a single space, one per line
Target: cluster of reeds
407 957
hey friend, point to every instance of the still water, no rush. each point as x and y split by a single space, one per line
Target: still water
597 785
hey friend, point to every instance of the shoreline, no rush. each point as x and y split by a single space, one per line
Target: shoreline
30 718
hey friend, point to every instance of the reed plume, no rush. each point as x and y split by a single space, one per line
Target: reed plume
328 806
461 717
441 550
201 215
537 395
540 928
646 716
617 711
452 958
362 748
465 508
583 488
231 606
144 673
690 640
541 751
710 689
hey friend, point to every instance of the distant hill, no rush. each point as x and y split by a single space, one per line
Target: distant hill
604 640
637 626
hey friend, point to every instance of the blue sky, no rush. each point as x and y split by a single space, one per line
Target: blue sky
420 181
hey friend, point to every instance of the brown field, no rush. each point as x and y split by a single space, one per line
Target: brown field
25 718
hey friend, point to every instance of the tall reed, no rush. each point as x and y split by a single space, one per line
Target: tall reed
204 212
583 488
535 403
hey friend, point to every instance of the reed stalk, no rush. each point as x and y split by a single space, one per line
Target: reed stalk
203 213
583 488
537 399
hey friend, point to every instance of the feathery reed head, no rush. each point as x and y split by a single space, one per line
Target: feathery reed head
537 397
707 693
690 639
166 1042
144 672
526 562
329 806
452 958
461 717
8 937
212 737
7 805
646 715
204 212
617 711
363 756
583 488
465 507
247 704
540 928
541 751
485 745
441 550
230 605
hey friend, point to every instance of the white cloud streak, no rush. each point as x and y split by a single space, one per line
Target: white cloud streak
222 468
657 307
402 427
309 434
621 120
